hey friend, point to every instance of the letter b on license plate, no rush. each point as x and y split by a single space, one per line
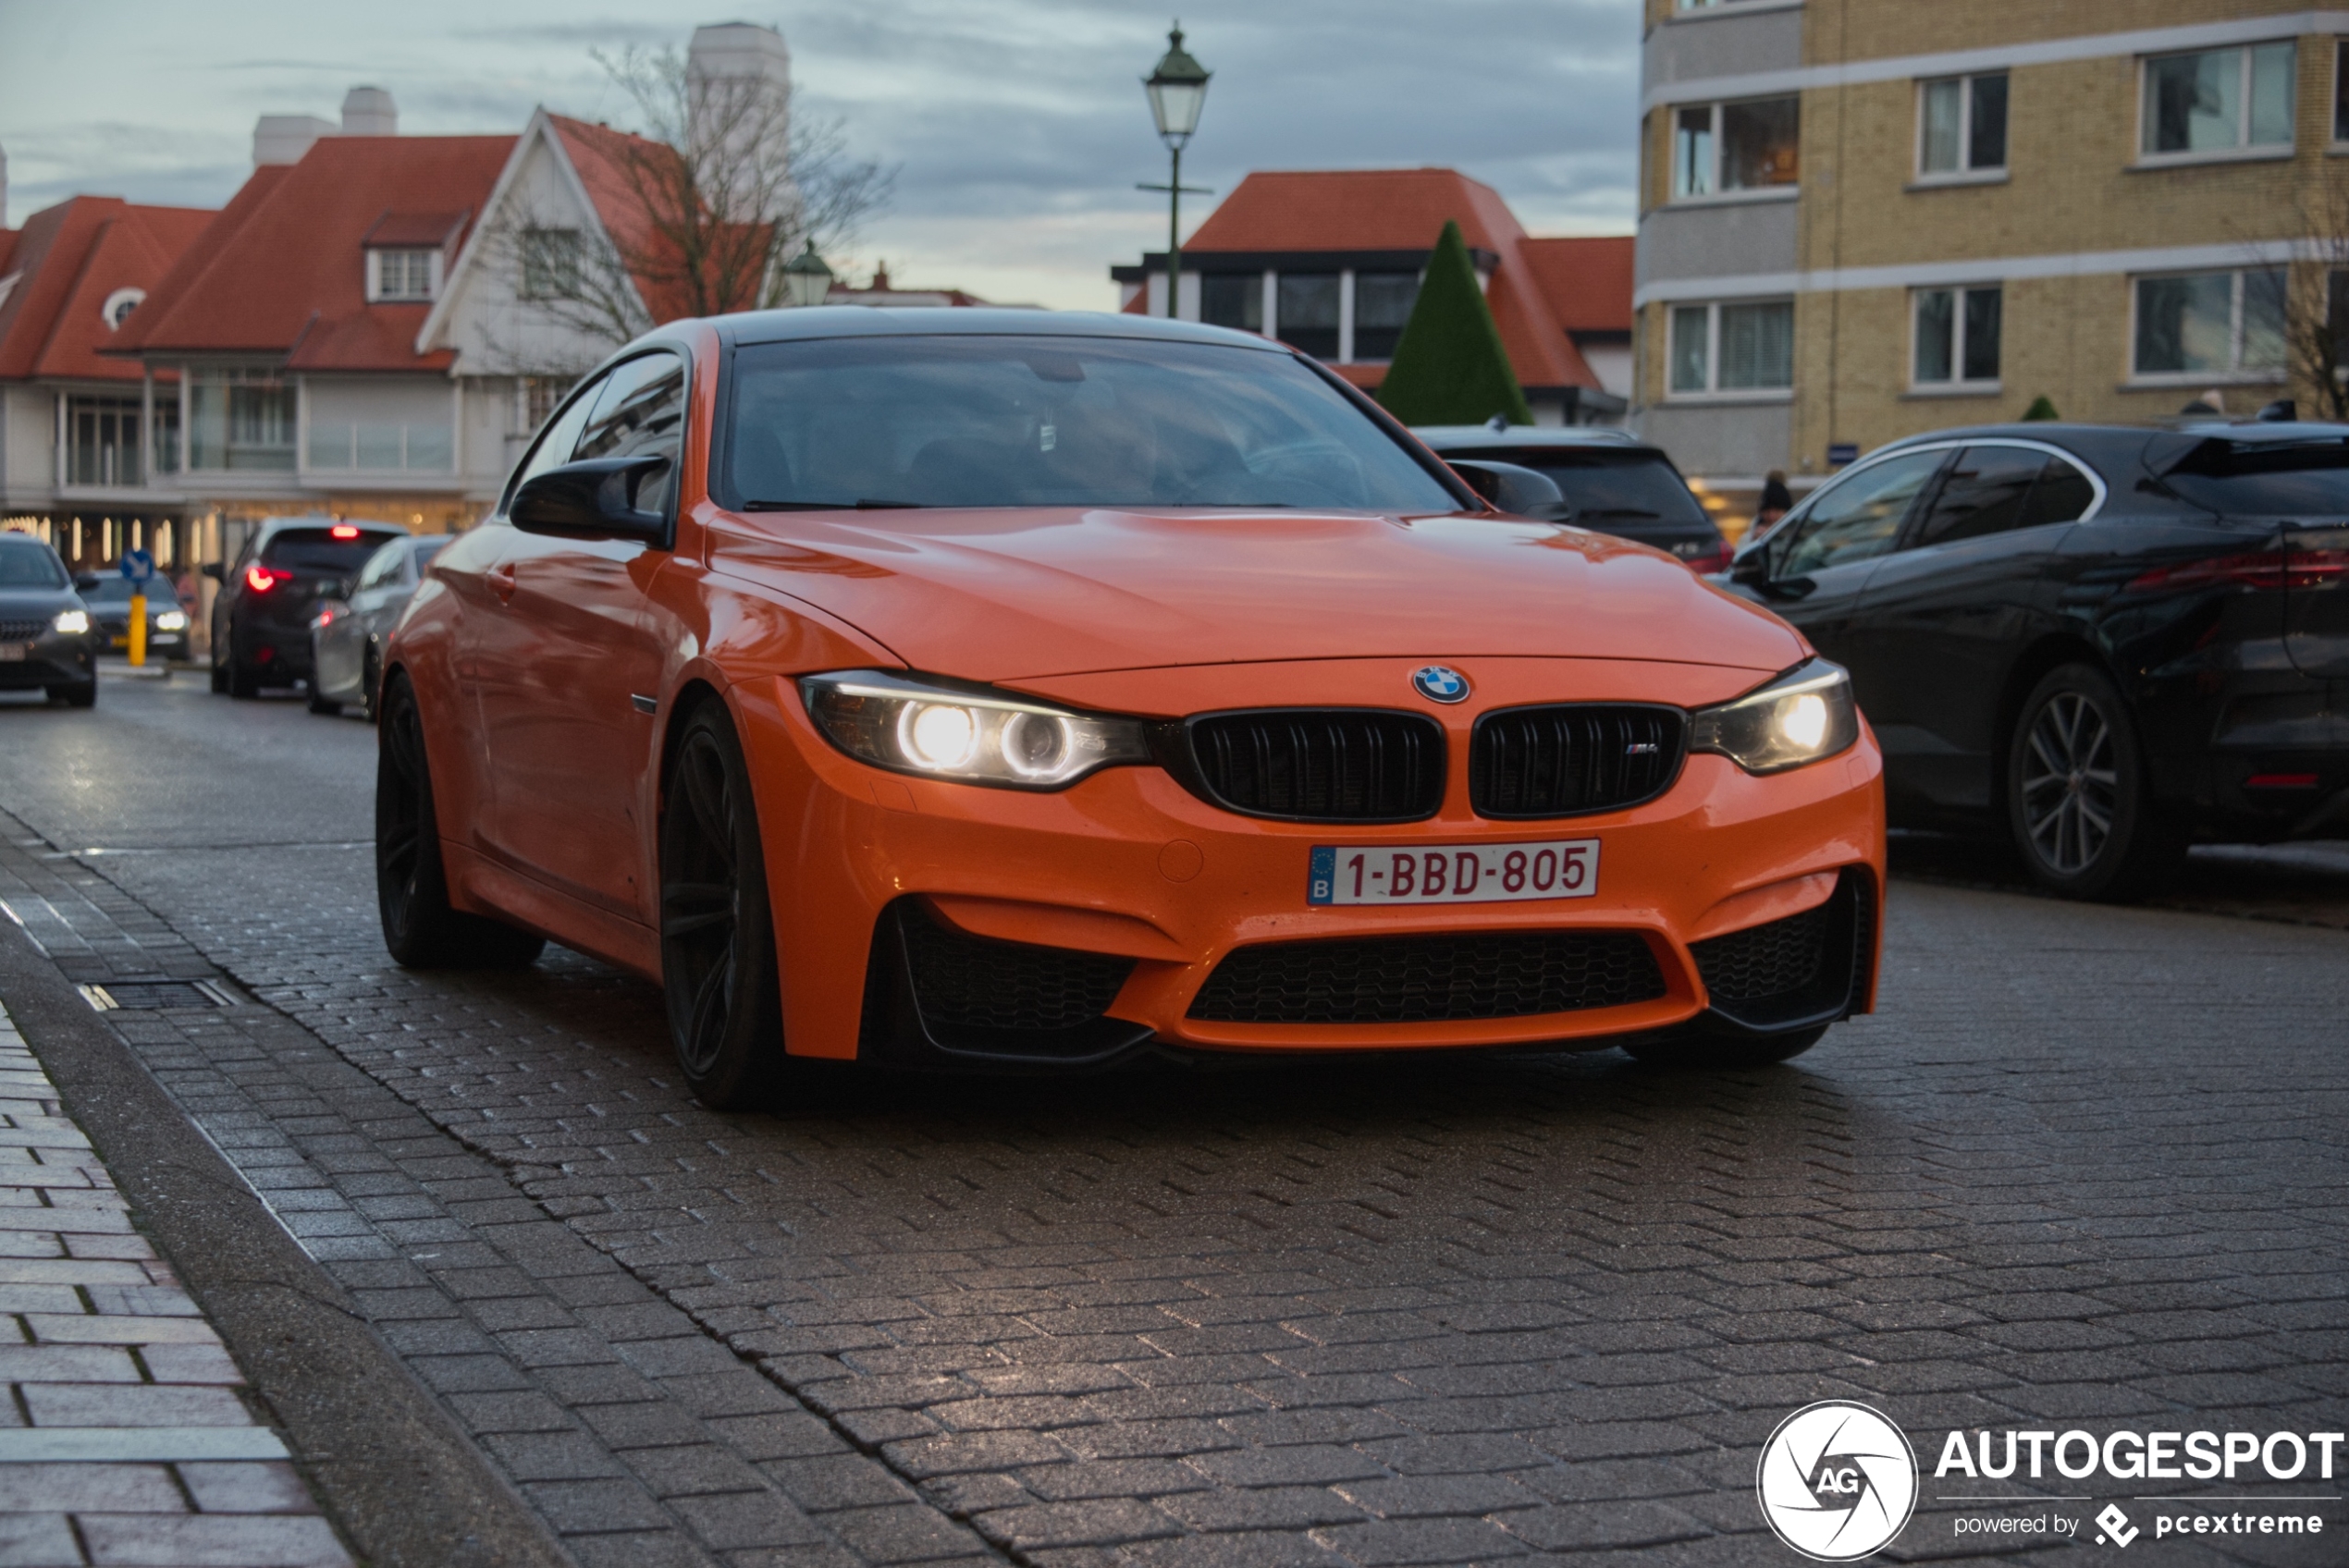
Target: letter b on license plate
1453 873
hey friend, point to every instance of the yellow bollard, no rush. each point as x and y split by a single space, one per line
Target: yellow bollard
137 630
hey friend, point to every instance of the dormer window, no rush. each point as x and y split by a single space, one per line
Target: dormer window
402 276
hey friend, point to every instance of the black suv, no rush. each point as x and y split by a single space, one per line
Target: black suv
261 620
1613 483
2114 638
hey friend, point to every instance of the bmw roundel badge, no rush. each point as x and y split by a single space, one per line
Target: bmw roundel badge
1440 683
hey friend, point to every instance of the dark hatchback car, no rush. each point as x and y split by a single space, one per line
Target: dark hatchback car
346 633
261 620
45 636
2114 640
1614 484
108 598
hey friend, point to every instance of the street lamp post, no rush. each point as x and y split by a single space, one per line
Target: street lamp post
1177 89
807 280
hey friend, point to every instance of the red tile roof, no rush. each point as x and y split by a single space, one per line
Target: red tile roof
283 269
1539 293
610 164
67 260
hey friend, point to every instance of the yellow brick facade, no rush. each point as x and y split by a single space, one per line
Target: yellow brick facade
2074 184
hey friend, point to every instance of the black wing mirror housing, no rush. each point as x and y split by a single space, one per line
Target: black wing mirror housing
1515 489
592 499
214 570
1750 569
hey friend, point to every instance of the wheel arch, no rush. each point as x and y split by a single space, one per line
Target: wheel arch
2049 651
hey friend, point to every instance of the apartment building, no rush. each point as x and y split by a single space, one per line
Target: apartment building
1329 262
1865 218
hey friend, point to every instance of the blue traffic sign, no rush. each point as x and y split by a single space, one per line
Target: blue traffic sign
138 565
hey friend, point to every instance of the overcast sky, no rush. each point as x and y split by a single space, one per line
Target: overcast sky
1018 126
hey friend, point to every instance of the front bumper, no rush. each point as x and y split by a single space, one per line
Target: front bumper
53 660
1129 865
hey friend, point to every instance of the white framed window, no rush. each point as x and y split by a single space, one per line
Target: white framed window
536 397
1750 145
2208 325
2340 95
1956 337
1961 126
550 262
2217 102
1740 346
402 276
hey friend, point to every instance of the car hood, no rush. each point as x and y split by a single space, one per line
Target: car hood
22 604
1007 593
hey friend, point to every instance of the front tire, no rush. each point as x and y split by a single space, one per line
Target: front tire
84 695
420 927
717 929
2079 802
319 704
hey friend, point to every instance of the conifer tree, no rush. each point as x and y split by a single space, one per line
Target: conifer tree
1449 367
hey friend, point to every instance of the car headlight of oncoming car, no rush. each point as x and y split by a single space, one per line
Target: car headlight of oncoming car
977 737
73 623
1804 715
172 620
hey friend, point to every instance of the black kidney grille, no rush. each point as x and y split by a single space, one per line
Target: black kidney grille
970 982
1763 961
1572 759
21 630
1321 765
1428 979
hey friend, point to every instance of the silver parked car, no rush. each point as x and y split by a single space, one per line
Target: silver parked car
347 634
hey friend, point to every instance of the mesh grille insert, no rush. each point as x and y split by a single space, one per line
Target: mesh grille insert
1764 962
1332 765
1428 979
1573 758
972 983
22 631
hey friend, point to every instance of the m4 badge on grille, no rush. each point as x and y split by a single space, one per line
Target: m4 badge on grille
1453 873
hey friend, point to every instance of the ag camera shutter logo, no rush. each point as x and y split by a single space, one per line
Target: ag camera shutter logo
1836 1481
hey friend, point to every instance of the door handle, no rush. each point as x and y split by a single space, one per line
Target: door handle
502 582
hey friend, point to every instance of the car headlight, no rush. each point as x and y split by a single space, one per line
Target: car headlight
73 623
1802 716
978 737
172 620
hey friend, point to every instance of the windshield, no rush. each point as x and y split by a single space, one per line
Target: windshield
1628 487
317 549
30 566
2298 480
1054 421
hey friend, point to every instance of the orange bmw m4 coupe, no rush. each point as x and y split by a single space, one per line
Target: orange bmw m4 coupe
993 690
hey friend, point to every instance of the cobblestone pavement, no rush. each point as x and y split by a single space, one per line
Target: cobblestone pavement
2085 1168
125 1439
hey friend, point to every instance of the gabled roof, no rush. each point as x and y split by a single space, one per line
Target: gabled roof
283 269
66 260
1358 210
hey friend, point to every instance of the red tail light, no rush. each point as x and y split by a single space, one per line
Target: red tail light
260 579
343 531
1712 560
2265 568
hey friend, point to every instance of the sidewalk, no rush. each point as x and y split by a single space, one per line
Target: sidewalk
125 1440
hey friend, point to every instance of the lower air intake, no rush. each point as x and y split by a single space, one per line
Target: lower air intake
1428 979
1803 965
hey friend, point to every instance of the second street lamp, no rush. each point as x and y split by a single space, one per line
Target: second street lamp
807 280
1178 90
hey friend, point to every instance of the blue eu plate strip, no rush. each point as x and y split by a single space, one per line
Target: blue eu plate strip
1324 878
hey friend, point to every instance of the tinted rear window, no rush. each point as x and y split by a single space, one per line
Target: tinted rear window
317 549
30 566
2296 481
1632 487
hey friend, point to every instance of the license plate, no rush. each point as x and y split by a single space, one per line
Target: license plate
122 641
15 652
1454 874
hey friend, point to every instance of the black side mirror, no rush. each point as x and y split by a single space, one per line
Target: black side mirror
1750 569
84 580
214 570
1509 487
593 499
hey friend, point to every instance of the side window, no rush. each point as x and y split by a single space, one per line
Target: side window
1858 517
641 410
383 565
2061 495
555 443
1984 493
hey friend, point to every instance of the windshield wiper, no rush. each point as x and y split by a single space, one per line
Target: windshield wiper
861 506
1617 511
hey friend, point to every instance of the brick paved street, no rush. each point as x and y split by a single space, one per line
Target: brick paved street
2084 1169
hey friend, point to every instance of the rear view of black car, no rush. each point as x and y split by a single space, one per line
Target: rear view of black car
1614 484
261 620
45 640
2114 640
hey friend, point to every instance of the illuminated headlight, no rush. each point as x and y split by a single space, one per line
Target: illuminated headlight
1802 716
172 620
979 737
73 623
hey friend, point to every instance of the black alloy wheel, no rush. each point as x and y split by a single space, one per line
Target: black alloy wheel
83 694
369 675
220 671
319 703
2078 797
717 929
420 927
1675 1048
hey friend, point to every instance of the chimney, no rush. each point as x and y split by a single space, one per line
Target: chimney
742 71
3 188
369 111
283 139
